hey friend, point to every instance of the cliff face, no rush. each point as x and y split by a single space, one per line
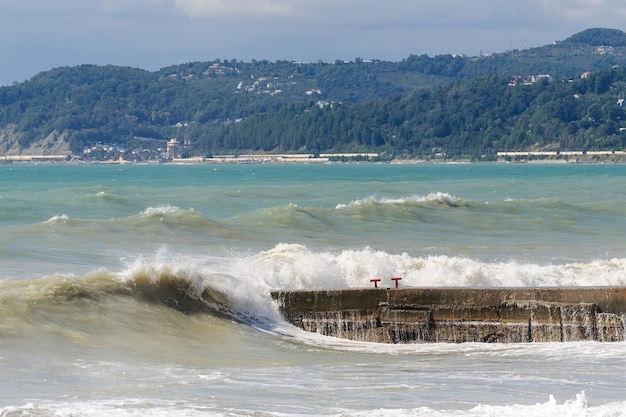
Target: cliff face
53 144
414 315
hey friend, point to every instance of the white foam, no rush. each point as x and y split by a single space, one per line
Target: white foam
63 218
436 197
125 408
550 408
293 266
577 406
162 210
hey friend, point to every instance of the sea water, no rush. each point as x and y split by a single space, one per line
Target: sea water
102 268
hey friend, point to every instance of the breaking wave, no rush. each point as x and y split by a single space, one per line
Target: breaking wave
60 219
438 198
237 286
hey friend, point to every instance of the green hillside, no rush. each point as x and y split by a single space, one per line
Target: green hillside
516 100
477 117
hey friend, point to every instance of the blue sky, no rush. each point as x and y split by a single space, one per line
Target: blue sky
38 35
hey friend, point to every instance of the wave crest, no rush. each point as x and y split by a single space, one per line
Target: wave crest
107 197
437 198
174 216
165 210
59 219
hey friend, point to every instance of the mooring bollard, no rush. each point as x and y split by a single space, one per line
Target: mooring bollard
375 281
396 279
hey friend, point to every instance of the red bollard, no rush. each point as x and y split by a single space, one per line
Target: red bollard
375 281
396 280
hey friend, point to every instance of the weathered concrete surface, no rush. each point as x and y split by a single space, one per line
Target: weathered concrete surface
505 315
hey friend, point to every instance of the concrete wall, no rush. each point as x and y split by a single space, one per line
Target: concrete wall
505 315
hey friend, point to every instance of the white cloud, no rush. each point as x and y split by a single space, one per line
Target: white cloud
429 13
218 8
584 10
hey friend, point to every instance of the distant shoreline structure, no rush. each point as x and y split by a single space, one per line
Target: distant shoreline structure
557 153
607 156
34 158
217 159
562 156
281 158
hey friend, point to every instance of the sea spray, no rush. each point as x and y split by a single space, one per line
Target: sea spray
294 266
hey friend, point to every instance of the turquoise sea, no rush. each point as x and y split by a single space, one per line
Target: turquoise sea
102 267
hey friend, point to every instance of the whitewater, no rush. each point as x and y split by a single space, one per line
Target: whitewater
144 290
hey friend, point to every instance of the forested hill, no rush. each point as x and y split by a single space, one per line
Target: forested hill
532 98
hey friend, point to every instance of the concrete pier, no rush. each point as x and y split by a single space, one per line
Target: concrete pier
502 315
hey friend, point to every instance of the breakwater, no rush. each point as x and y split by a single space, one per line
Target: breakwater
499 315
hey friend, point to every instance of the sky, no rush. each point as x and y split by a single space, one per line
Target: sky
39 35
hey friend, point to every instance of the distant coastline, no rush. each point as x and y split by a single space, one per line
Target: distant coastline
450 108
537 157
